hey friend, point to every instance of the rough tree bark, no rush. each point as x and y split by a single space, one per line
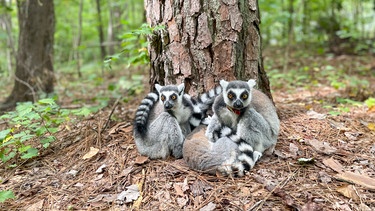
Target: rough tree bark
204 42
34 67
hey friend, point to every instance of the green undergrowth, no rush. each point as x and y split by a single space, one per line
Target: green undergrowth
351 76
32 127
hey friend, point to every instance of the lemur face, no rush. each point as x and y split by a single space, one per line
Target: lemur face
237 98
237 94
170 96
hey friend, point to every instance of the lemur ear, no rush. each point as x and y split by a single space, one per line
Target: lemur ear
158 87
181 88
224 84
251 83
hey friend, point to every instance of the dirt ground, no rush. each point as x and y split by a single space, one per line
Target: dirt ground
321 162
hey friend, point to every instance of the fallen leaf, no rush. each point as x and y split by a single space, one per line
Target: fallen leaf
72 172
181 201
333 164
93 151
131 194
322 147
324 177
209 207
200 187
101 169
79 185
293 149
371 126
351 136
348 191
36 206
140 160
126 171
365 181
99 177
315 115
178 189
339 125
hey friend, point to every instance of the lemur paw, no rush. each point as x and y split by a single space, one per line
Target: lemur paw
225 131
257 155
207 120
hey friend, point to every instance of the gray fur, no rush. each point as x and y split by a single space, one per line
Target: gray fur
161 127
203 155
254 129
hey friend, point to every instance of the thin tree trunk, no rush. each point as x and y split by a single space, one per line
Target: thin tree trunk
78 41
6 21
289 35
110 38
34 67
205 41
100 30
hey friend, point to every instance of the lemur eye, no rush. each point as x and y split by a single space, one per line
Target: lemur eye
162 98
230 95
174 97
244 96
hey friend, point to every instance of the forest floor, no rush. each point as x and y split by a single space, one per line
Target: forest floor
324 158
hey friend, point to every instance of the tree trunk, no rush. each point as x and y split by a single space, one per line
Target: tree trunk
78 39
34 67
110 33
205 41
100 30
6 25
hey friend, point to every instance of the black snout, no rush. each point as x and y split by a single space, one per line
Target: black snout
168 105
237 104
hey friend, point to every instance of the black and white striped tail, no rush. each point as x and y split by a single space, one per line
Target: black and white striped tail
206 100
201 105
196 113
246 157
143 113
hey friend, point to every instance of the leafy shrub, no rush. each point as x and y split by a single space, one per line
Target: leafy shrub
33 121
6 194
134 46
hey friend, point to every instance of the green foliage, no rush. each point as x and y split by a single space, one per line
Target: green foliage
134 85
31 126
319 21
5 195
134 44
370 102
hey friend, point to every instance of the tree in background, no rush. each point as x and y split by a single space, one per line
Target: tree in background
34 66
205 41
6 25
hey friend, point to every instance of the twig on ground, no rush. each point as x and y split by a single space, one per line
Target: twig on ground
112 110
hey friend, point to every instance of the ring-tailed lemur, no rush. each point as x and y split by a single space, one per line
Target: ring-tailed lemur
163 120
243 127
